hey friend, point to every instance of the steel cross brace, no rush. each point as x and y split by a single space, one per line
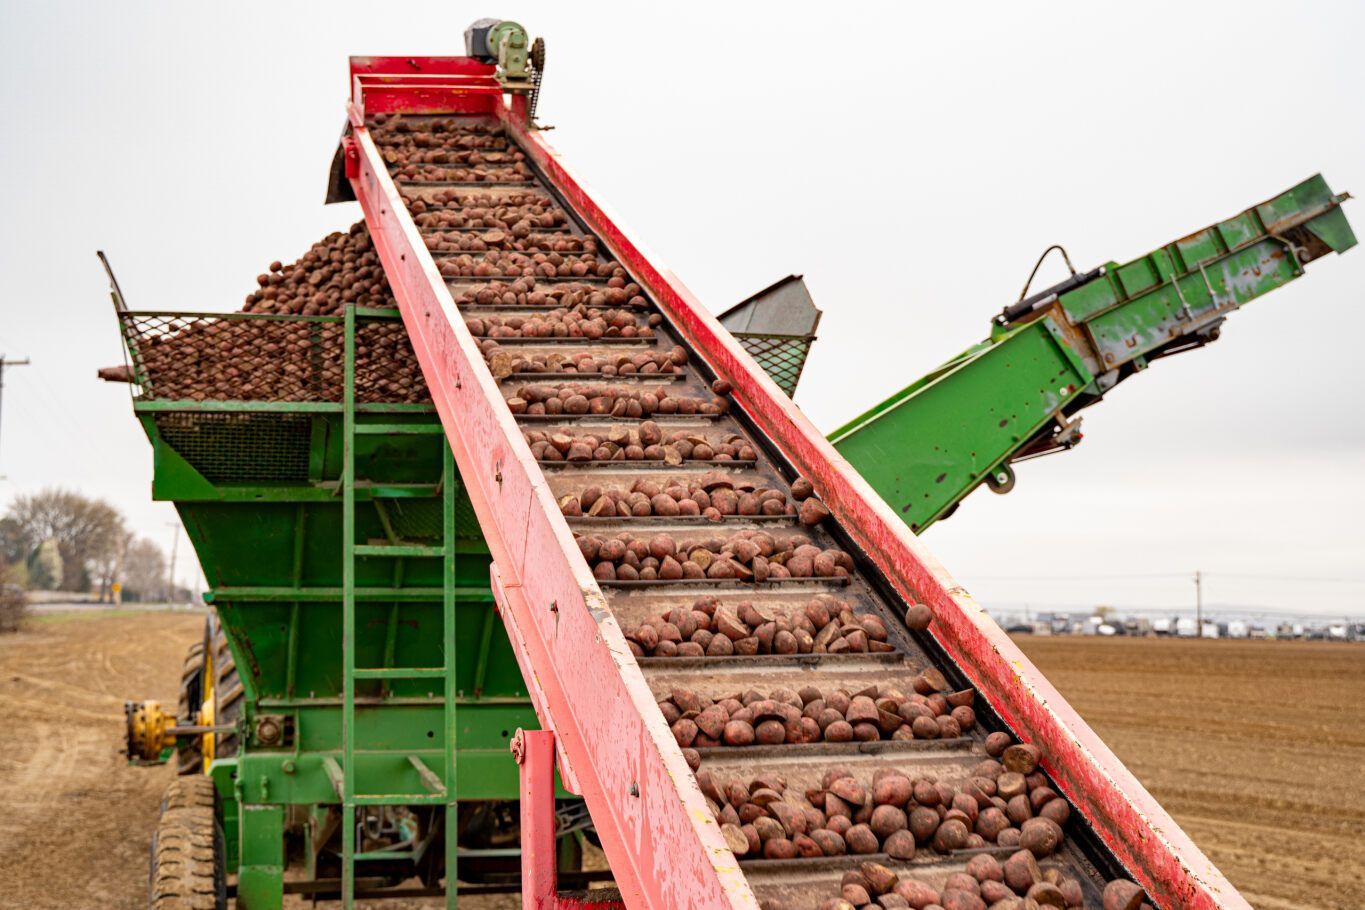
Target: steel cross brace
534 751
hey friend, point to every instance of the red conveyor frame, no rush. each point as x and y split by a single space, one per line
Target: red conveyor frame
613 744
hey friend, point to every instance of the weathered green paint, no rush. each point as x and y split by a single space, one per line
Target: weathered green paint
271 552
923 449
224 775
260 876
928 446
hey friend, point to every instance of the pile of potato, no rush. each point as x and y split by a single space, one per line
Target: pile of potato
268 360
713 495
513 264
518 214
892 814
580 321
523 292
505 363
422 149
436 173
645 442
825 625
340 269
399 132
576 399
751 556
1018 883
811 715
498 239
399 156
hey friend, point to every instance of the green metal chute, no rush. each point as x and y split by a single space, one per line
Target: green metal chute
1015 395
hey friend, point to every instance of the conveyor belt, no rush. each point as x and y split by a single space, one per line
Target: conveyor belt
574 632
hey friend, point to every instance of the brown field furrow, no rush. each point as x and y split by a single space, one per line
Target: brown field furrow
1254 747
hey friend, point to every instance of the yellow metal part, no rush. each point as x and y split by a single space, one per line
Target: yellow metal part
207 711
149 730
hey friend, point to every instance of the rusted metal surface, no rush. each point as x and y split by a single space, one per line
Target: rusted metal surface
1128 820
663 845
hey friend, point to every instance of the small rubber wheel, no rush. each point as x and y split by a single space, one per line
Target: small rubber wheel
1001 480
188 869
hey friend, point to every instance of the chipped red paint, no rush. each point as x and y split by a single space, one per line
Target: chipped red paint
534 751
1131 823
424 85
535 754
665 849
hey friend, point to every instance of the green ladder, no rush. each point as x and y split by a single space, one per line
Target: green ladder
439 789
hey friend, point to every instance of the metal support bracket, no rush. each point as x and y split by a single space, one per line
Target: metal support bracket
534 751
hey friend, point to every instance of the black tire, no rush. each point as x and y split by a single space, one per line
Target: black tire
188 868
189 753
196 792
228 696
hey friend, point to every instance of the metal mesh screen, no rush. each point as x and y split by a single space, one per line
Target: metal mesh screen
415 519
782 357
254 357
240 448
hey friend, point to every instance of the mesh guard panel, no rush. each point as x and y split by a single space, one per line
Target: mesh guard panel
240 448
782 357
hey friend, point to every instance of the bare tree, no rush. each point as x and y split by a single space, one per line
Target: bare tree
144 570
89 533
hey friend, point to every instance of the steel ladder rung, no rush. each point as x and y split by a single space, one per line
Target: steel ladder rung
438 792
414 550
399 672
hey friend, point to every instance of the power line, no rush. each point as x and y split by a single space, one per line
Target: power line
4 362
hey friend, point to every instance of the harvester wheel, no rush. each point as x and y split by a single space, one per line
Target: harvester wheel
227 694
188 870
195 792
189 754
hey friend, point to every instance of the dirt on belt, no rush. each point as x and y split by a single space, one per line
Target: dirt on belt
1254 747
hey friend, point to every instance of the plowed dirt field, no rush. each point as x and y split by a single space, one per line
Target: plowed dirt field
1256 748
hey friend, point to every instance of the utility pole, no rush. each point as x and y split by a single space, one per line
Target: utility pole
1198 604
170 578
4 362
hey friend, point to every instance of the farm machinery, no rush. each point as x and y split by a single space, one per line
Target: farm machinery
434 665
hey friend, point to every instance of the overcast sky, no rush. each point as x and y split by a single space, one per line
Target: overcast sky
911 160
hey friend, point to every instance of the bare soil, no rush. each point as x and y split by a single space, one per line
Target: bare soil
75 820
1254 747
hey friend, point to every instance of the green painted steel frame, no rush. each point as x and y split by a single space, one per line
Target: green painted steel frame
275 595
431 789
927 447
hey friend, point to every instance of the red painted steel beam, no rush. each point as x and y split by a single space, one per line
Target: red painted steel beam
665 849
534 751
1131 823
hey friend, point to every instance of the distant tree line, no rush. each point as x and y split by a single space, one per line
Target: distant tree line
62 540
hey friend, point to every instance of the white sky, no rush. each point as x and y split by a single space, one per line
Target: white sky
910 159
